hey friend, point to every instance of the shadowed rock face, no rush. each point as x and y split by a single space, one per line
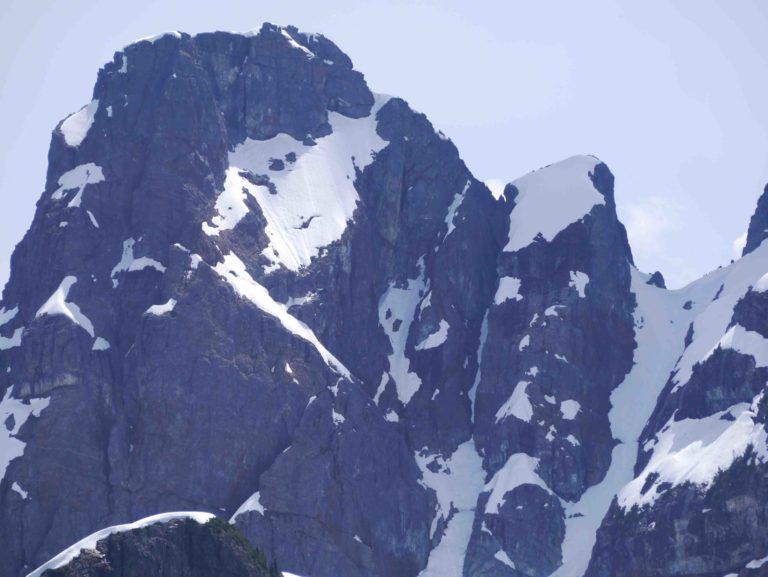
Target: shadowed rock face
758 224
253 287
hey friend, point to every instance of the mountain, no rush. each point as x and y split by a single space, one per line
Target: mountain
253 288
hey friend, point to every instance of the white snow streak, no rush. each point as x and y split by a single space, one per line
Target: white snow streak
233 271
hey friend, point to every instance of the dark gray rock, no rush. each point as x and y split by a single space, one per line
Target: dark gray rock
758 224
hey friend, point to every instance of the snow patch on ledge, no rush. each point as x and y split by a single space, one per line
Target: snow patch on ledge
518 405
89 543
76 126
129 263
550 199
252 503
520 469
162 309
78 178
57 304
509 288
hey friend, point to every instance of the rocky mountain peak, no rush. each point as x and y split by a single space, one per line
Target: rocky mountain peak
254 288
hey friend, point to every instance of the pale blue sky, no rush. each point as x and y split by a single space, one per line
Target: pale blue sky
671 95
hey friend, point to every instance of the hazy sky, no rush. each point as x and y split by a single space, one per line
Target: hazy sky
671 95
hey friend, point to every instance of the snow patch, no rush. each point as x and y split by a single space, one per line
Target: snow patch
518 405
7 343
552 311
483 338
569 409
550 199
76 126
17 489
57 304
579 281
397 308
100 344
338 418
129 263
252 503
457 481
11 447
162 309
7 316
509 288
453 208
524 342
502 556
435 339
77 179
757 563
392 417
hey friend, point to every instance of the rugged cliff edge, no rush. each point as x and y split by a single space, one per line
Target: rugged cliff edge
255 288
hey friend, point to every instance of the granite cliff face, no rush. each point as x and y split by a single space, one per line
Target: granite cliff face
254 288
